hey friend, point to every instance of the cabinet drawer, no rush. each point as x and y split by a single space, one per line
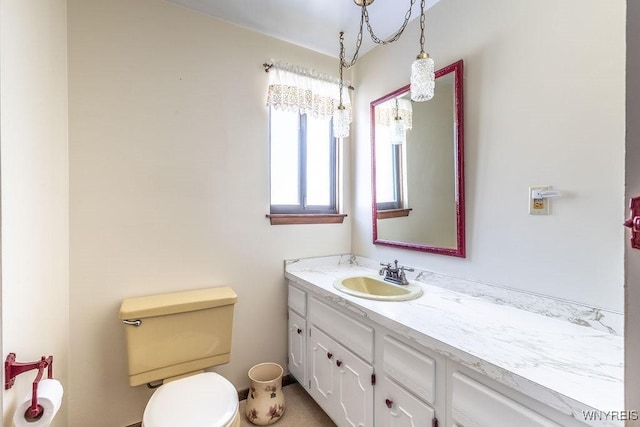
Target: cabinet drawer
474 404
398 407
414 370
349 332
298 300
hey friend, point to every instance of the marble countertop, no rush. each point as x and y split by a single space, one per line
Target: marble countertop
553 351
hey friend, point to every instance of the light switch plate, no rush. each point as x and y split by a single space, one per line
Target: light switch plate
538 206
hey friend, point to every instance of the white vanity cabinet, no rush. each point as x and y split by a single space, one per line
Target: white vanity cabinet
363 374
360 374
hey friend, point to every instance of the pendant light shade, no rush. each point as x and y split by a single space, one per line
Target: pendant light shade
423 78
341 122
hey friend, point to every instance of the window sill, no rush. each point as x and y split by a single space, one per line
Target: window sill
283 219
393 213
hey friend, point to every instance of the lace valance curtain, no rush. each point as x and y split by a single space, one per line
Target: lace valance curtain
295 88
386 112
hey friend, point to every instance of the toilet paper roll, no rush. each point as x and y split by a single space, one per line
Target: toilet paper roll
49 397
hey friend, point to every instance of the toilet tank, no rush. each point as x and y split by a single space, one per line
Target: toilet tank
178 333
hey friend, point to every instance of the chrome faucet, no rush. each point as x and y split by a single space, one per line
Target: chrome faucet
395 274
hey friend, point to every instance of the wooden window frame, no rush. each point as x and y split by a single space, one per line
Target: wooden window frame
303 213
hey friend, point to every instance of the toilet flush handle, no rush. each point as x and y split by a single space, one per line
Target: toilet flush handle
136 323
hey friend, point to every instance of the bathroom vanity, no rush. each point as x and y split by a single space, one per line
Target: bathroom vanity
462 354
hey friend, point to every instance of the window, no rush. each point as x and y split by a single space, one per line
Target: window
304 155
389 167
303 159
391 184
389 177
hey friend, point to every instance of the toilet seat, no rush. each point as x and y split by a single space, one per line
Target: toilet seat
203 400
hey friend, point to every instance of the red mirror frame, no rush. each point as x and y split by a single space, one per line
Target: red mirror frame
460 249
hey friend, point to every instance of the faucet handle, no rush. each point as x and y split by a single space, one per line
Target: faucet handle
403 276
385 268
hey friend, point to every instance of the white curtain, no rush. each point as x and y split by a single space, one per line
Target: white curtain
296 88
386 112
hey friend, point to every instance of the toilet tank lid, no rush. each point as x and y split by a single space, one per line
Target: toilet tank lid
176 302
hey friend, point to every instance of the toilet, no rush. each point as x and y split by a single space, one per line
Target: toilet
171 339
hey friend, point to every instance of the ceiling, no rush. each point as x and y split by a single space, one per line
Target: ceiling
314 24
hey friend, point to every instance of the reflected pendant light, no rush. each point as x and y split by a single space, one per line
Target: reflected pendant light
398 129
423 78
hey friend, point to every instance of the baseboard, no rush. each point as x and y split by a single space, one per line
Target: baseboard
286 380
242 394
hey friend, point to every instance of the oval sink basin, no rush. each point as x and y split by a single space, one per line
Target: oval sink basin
373 288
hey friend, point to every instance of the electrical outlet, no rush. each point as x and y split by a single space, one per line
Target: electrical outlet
538 206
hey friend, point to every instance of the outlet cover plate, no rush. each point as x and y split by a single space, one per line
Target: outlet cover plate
538 206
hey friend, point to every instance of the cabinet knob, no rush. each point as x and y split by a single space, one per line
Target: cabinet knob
339 363
299 331
329 355
389 403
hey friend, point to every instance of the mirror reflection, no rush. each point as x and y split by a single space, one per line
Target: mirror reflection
417 168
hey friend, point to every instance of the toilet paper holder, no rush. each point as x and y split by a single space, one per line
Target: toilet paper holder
12 369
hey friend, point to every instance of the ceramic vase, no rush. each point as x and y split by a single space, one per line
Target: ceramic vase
265 402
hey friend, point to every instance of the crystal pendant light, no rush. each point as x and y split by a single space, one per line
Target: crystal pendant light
422 70
423 79
341 116
398 130
341 122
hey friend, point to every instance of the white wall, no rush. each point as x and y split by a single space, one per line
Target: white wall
169 186
632 265
34 165
544 105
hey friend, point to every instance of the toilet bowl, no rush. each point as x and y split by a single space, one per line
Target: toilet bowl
202 400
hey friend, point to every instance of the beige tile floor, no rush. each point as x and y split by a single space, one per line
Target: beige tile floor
301 410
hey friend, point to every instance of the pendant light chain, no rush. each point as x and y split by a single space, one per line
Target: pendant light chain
341 63
422 19
341 117
398 33
422 75
358 44
364 19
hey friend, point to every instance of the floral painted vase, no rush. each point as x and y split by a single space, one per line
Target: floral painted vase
265 402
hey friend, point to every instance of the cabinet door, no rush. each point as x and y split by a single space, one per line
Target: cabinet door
396 407
340 382
321 375
355 390
297 347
